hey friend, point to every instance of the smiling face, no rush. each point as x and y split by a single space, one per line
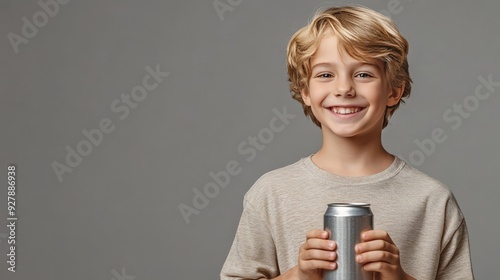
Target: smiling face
348 97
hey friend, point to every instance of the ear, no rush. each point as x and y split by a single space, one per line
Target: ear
305 96
395 96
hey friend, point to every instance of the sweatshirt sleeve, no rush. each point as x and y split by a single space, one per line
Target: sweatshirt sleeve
253 252
455 260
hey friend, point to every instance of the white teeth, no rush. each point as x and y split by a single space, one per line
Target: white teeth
346 111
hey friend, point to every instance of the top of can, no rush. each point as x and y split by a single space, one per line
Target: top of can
348 209
346 204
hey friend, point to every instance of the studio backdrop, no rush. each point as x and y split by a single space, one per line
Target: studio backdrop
130 130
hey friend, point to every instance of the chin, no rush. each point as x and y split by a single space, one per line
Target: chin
345 133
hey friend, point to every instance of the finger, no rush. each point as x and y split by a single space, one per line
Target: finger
318 255
381 267
376 234
317 233
317 264
322 244
376 245
378 256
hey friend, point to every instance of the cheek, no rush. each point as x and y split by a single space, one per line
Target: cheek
318 92
376 95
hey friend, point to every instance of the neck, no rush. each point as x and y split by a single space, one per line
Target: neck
355 156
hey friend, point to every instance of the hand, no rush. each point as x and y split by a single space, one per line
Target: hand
379 254
316 254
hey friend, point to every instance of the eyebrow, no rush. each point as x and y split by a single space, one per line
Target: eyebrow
356 64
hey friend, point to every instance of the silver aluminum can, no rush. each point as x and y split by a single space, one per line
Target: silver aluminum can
345 222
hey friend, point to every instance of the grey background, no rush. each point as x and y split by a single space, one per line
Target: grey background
119 208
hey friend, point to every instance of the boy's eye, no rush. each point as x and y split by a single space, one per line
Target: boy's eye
364 75
325 75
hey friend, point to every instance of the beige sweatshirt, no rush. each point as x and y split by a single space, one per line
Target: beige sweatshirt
419 213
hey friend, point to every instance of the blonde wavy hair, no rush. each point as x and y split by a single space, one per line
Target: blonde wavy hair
364 34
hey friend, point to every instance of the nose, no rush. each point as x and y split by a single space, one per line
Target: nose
343 87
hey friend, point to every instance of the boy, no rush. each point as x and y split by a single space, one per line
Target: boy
348 68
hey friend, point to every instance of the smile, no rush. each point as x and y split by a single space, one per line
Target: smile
346 110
